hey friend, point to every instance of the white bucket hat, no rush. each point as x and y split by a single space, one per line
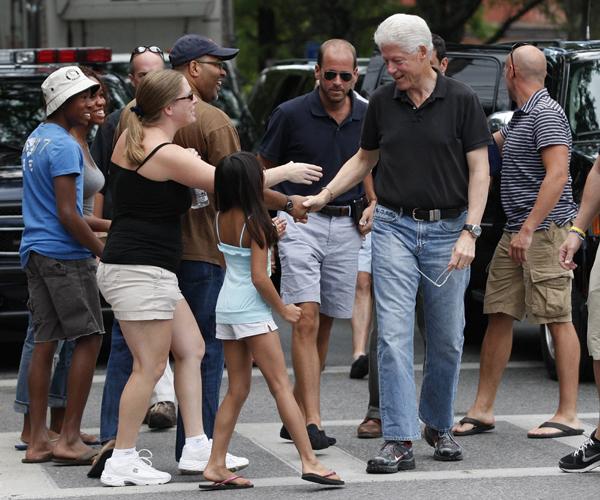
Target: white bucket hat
63 84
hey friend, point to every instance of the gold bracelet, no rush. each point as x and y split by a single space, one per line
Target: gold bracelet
577 230
330 193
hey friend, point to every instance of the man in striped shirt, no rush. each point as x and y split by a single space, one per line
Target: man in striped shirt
524 276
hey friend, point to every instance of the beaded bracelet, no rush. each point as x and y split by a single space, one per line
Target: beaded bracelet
330 193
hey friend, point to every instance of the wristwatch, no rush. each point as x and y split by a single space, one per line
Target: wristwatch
289 206
473 229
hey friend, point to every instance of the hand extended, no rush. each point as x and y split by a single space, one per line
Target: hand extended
316 203
303 173
365 224
299 211
463 252
517 250
280 225
567 250
292 313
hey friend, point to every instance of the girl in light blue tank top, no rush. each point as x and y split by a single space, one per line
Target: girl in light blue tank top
244 322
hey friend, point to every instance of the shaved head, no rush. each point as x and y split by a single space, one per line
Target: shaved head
529 63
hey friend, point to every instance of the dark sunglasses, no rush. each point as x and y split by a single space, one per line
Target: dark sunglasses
143 48
190 97
344 75
218 64
513 48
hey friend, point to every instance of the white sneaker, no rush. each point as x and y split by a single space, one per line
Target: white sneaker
195 461
137 471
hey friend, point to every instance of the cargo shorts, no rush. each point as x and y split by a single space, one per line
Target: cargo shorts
540 288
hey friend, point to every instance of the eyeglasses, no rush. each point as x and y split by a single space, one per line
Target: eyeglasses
344 75
190 97
143 48
218 64
439 285
512 57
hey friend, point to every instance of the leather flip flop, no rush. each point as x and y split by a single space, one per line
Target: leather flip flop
478 427
85 459
315 478
226 485
566 431
47 458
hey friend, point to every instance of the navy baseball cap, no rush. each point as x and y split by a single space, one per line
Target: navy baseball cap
190 47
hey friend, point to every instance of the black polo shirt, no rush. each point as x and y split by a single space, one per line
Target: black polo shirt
422 151
301 130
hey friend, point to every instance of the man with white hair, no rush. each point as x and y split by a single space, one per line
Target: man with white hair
421 126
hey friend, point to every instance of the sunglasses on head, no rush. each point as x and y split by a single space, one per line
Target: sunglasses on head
344 75
143 48
190 97
513 48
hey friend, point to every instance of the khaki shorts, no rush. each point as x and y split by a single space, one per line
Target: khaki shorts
139 292
593 305
540 289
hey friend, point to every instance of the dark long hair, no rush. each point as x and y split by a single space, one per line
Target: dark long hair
239 182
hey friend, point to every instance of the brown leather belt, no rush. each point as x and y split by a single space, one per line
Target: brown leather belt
421 215
335 211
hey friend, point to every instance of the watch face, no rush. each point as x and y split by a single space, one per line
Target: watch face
289 206
476 231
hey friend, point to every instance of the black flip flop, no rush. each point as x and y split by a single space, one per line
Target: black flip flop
99 462
478 427
226 485
315 478
566 431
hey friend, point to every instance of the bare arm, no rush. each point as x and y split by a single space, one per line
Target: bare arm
97 224
556 163
499 141
590 207
353 171
66 205
463 252
264 285
98 205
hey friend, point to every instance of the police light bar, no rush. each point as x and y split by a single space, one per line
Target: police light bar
81 55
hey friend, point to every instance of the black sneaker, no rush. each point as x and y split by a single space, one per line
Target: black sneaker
393 457
318 439
360 368
446 448
584 459
285 434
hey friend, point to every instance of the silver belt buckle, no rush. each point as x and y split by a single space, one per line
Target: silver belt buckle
414 215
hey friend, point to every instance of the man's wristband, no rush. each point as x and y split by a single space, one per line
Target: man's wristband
580 234
371 200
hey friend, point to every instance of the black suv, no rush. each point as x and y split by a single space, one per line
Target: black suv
21 111
573 80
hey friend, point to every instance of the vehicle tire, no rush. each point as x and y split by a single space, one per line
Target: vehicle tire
580 317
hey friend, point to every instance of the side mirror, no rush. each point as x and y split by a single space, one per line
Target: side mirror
497 120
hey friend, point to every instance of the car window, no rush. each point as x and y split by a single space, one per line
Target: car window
583 103
482 75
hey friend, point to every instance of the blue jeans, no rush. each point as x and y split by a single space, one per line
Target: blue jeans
200 283
58 383
118 371
399 244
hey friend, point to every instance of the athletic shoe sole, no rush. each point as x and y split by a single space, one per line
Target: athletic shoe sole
585 469
122 481
375 468
447 458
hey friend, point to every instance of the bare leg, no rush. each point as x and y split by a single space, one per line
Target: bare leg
239 368
268 355
495 353
567 349
38 382
597 377
361 316
149 342
81 373
187 347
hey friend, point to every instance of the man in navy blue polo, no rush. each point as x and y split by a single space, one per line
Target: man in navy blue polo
319 260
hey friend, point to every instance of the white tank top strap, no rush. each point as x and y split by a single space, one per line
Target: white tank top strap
217 226
243 229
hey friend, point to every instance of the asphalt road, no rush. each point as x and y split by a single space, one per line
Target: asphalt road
503 464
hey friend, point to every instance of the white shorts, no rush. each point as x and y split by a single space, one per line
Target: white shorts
364 256
227 331
138 293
